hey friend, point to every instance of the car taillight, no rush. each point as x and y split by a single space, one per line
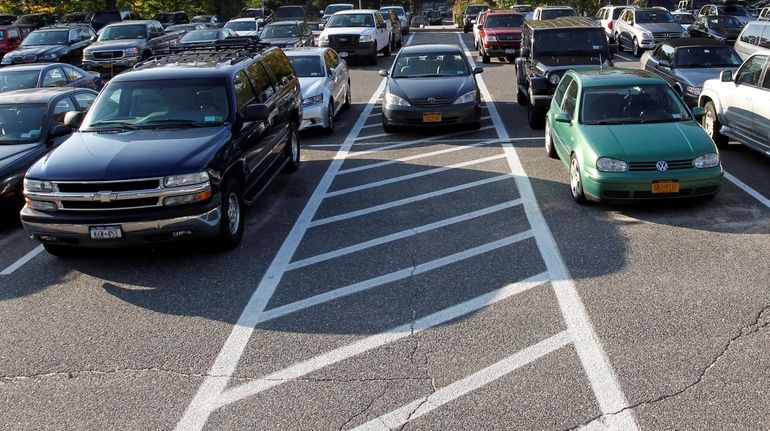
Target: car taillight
609 25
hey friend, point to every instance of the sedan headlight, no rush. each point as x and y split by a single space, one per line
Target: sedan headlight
466 98
365 38
608 164
131 52
392 99
709 160
37 186
186 179
318 98
695 91
554 78
7 59
490 38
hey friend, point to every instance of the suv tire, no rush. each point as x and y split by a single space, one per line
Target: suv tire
638 51
293 150
712 126
535 116
386 51
232 220
485 58
373 57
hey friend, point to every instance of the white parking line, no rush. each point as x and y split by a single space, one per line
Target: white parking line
455 390
414 142
626 58
414 175
22 260
746 188
596 364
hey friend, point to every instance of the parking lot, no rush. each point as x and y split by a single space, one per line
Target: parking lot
439 279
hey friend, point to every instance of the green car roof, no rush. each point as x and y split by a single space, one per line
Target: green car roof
615 76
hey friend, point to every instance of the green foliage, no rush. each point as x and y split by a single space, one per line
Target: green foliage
146 8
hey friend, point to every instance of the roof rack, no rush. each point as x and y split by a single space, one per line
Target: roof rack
232 51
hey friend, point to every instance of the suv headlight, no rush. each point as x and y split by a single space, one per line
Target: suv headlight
37 186
365 38
695 91
646 35
131 52
608 164
554 78
392 99
323 38
186 179
318 98
490 38
709 160
466 98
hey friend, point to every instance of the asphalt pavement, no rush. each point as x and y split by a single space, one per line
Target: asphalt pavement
429 279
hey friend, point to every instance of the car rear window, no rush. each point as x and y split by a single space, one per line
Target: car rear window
556 13
307 66
510 20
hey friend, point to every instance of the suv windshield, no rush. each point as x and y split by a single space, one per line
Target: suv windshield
280 30
242 25
38 38
734 10
724 22
556 13
106 17
504 21
307 66
648 103
336 8
159 104
21 123
561 41
351 20
118 32
420 65
653 16
706 56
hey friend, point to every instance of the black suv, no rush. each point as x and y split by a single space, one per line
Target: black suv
37 20
102 18
171 18
122 45
171 150
548 49
62 43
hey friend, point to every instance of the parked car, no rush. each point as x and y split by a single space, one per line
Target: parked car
551 12
640 29
755 37
102 18
11 37
477 28
334 7
687 63
205 37
723 28
287 34
290 13
246 27
172 18
500 35
183 29
325 83
401 14
358 33
194 146
8 19
522 8
121 46
77 18
37 20
470 14
736 105
624 135
262 15
32 125
431 85
685 19
62 43
396 32
764 14
23 76
730 9
211 21
435 18
606 17
691 6
548 49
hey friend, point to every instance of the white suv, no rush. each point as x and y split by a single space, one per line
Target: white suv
640 29
607 16
358 33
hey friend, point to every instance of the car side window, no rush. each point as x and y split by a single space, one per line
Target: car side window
54 77
378 19
261 81
280 67
84 100
72 74
62 107
764 39
570 100
749 73
13 34
667 53
766 81
73 36
244 92
751 34
561 89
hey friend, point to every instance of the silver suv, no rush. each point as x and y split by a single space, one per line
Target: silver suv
639 29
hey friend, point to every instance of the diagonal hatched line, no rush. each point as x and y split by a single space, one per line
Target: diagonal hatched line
414 142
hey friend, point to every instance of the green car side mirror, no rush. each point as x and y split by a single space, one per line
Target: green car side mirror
698 112
562 117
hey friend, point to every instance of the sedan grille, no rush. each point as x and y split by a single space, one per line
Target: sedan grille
107 55
431 102
343 39
652 166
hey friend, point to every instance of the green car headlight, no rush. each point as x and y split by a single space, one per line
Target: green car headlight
608 164
709 160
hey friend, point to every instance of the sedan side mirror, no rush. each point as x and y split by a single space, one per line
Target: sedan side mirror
383 73
477 70
73 119
256 112
698 112
562 117
726 76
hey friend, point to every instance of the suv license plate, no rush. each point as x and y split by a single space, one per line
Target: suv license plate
106 232
431 117
665 187
510 51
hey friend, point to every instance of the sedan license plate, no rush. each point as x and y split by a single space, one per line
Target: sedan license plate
665 187
431 117
106 232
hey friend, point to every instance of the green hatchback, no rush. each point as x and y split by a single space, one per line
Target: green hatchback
625 135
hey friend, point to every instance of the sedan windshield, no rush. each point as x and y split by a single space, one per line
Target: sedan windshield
123 32
724 22
429 65
654 17
155 104
706 56
17 80
351 20
280 30
242 25
307 66
556 13
504 21
38 38
200 36
21 123
649 103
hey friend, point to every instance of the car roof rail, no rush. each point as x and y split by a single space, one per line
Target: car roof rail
232 51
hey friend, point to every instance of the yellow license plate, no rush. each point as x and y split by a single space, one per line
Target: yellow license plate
432 117
665 187
106 66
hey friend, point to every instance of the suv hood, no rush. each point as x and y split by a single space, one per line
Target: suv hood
649 142
667 27
133 154
117 44
347 30
501 31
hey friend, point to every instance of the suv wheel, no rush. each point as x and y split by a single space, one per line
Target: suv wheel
637 49
484 57
373 56
535 116
231 223
713 126
386 51
292 150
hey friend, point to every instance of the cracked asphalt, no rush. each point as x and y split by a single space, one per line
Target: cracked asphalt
414 304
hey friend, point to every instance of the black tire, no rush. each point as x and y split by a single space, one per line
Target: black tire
348 98
373 57
711 124
387 128
386 51
485 58
465 30
550 149
232 219
60 250
638 51
293 150
330 128
535 116
576 181
521 97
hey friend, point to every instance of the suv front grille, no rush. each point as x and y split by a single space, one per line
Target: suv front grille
118 186
343 39
652 166
107 55
665 35
114 205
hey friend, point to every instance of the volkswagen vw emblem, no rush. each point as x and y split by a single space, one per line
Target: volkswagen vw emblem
662 166
431 100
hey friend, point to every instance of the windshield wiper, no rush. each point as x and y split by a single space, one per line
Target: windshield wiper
113 125
177 122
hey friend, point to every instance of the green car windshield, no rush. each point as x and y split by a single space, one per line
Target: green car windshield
649 103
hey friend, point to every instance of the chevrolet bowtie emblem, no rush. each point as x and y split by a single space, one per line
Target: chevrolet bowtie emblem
104 197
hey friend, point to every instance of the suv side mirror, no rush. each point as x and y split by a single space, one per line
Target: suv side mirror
562 117
73 119
60 130
256 112
726 76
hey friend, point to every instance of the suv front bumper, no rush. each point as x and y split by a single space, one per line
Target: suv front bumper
361 49
122 63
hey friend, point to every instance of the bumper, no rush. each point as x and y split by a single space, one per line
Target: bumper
74 230
314 115
498 50
362 49
466 113
637 186
108 65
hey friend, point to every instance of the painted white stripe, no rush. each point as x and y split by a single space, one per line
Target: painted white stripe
623 57
379 135
401 235
415 157
408 200
372 125
412 176
202 405
22 260
372 342
596 364
746 188
531 138
418 141
455 390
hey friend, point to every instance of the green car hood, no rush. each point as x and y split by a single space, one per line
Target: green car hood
649 142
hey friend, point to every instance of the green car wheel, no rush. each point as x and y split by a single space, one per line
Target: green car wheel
576 181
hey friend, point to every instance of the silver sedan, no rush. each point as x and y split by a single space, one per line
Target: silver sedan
325 83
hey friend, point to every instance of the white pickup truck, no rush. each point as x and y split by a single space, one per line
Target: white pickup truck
358 33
